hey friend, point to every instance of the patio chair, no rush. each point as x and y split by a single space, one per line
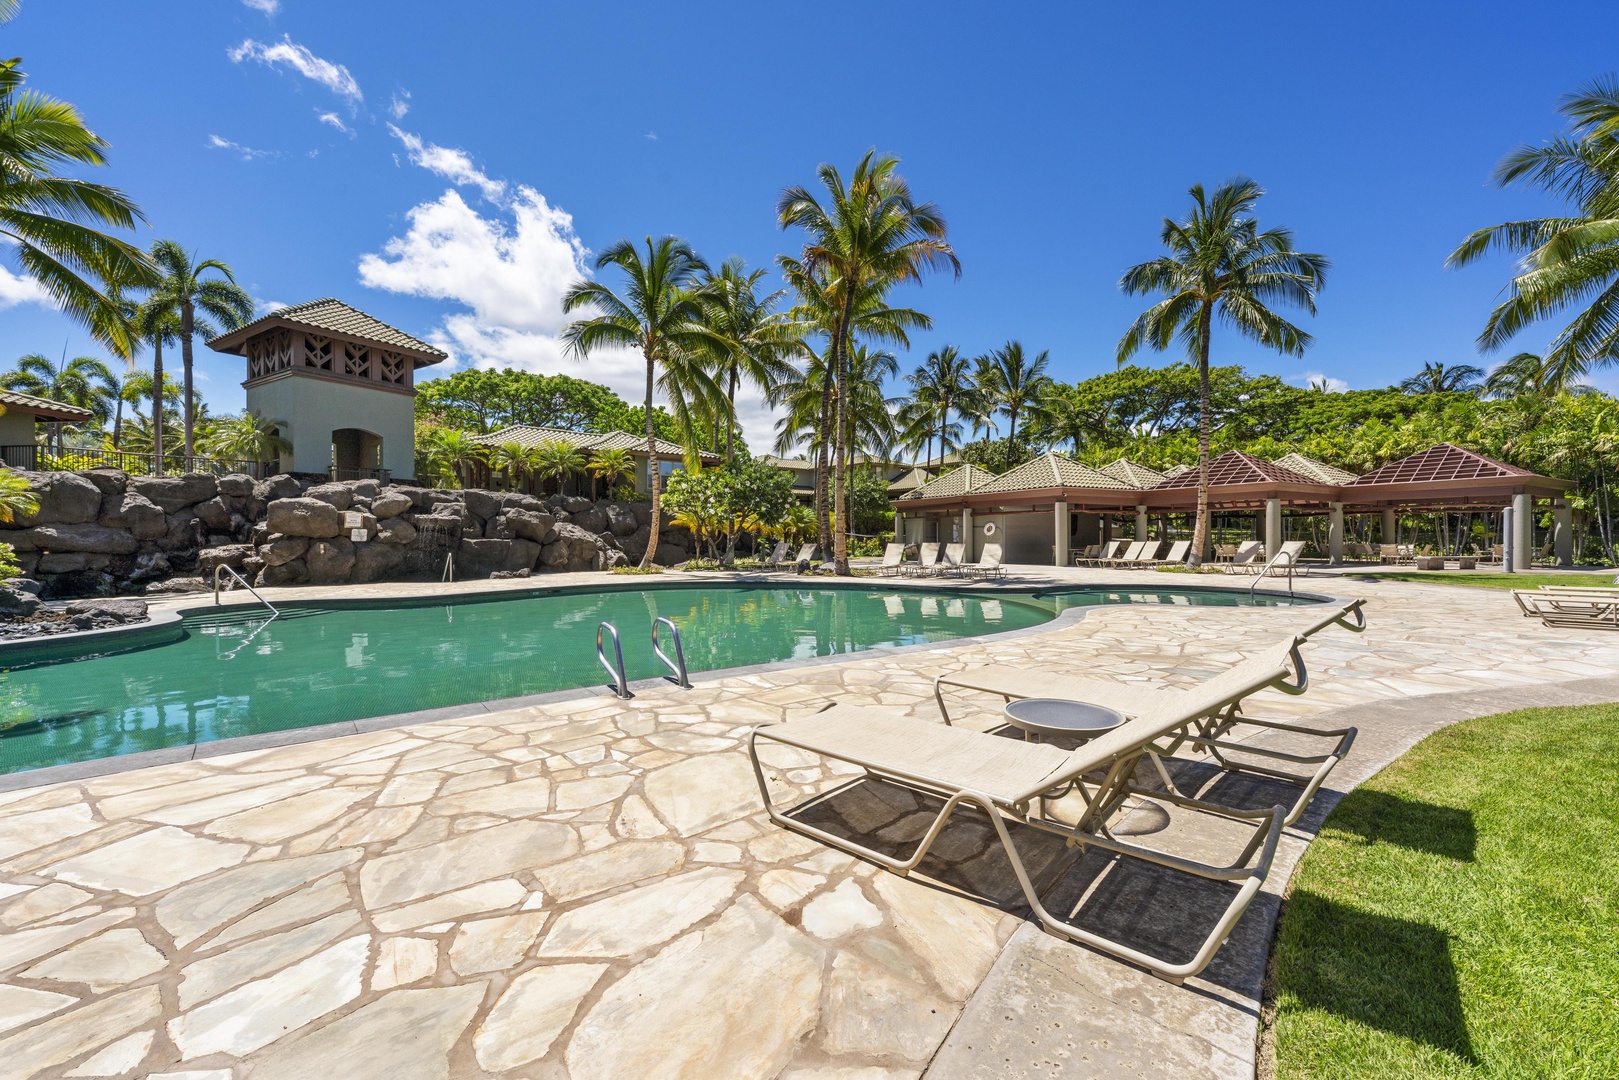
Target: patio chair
1571 606
1004 778
1131 554
988 564
927 557
893 559
1176 555
950 562
1146 556
1088 554
1224 552
1245 558
1104 553
1289 556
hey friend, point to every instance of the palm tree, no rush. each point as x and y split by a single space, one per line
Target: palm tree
453 453
1436 378
248 437
182 291
1010 383
659 315
16 495
1567 261
612 466
155 323
747 341
557 460
84 381
1528 375
517 461
941 385
1220 263
871 235
48 217
1062 415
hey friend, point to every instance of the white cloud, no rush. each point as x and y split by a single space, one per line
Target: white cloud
268 7
653 135
399 105
247 152
508 271
335 121
454 165
267 307
16 289
335 77
1311 378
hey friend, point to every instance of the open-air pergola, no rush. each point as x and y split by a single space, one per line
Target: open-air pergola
1043 508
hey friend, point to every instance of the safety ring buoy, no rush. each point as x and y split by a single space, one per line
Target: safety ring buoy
989 528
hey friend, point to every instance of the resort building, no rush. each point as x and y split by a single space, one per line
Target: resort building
340 383
903 478
19 425
1045 510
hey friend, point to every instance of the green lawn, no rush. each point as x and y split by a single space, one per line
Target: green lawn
1494 581
1459 914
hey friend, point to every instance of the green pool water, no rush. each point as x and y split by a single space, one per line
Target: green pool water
232 673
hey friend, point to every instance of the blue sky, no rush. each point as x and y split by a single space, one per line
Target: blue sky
446 167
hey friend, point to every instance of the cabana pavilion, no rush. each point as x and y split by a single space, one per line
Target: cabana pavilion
1048 507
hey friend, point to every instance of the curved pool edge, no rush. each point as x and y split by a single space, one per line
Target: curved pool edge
163 627
106 766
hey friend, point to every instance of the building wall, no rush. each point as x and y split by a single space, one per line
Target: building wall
17 428
313 408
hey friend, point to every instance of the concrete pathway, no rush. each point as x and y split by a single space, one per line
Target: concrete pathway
588 888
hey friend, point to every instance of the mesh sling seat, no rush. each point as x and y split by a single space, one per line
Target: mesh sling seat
1571 605
1210 734
1004 778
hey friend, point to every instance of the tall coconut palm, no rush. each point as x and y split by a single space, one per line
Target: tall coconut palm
49 219
84 381
870 235
248 437
1221 264
748 341
1010 383
183 291
155 324
942 385
1569 262
1436 378
817 312
660 316
1528 375
557 460
452 453
514 459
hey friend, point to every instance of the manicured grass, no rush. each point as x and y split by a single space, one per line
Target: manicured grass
1459 914
1494 581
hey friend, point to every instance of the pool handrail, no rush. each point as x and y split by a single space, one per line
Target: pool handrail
222 568
678 664
620 685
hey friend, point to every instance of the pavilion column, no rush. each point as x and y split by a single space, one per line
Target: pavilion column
1273 527
899 527
1390 528
1059 517
1563 536
1141 521
967 534
1335 533
1523 531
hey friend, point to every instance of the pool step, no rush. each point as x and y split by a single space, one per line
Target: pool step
246 615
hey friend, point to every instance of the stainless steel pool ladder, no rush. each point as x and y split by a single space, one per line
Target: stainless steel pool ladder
222 569
1263 574
615 666
678 664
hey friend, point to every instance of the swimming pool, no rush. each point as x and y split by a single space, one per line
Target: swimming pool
231 673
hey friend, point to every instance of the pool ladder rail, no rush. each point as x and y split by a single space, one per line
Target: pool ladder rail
615 667
222 569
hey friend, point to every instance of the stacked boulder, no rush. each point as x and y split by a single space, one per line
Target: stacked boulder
102 532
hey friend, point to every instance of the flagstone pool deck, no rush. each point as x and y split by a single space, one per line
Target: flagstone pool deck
589 889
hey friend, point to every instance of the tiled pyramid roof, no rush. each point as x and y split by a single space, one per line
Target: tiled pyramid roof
333 316
50 410
1236 467
955 482
530 435
1051 471
1316 470
1442 462
1137 476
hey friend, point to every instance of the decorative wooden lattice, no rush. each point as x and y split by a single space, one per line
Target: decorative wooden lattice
269 354
318 352
395 369
356 360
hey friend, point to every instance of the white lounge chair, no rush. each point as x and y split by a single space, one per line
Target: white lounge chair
893 559
1176 555
988 564
927 557
1131 554
1289 556
1571 606
806 554
1006 777
1247 559
1104 554
778 556
1089 552
950 562
1143 554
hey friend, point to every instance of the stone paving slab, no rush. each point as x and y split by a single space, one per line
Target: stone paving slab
589 888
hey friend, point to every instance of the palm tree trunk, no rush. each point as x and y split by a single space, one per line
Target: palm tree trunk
652 476
118 420
187 322
822 449
840 454
157 406
1200 534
